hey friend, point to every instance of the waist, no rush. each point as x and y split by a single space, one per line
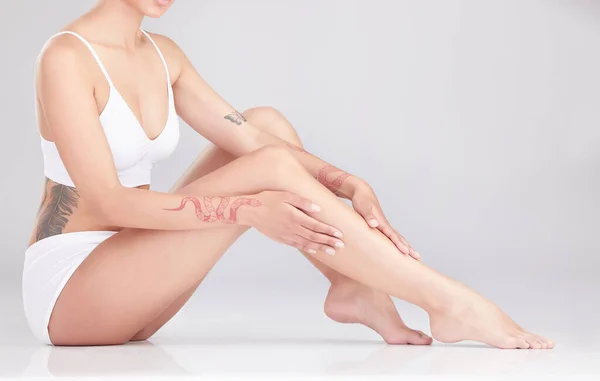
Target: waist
134 177
63 211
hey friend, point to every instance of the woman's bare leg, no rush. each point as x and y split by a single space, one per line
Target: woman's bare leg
348 301
133 276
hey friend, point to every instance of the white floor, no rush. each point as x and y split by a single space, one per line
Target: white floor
233 336
295 357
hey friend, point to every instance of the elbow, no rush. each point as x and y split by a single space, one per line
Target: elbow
103 214
105 207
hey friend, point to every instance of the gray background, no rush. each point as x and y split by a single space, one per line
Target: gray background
476 122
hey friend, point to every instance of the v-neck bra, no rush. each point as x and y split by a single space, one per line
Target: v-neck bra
133 152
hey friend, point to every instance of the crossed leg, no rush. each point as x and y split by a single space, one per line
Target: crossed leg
348 301
131 278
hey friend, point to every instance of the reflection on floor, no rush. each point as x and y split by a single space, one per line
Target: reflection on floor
215 337
293 357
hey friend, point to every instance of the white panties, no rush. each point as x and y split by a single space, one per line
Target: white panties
49 263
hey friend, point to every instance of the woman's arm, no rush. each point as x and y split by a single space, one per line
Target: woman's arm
65 92
210 115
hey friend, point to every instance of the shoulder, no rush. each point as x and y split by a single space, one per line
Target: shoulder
165 43
172 52
61 56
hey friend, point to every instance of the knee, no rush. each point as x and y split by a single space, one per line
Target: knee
271 120
277 157
263 116
280 163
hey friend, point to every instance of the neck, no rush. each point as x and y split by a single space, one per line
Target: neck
120 22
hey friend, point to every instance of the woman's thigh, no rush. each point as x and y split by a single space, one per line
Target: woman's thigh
209 160
266 119
133 276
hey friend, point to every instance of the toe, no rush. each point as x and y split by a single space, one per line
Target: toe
408 336
548 344
420 338
532 340
542 341
533 343
522 344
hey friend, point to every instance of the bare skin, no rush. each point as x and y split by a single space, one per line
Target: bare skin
87 313
136 280
347 300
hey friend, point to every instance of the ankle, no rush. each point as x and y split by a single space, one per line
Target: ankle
447 307
446 303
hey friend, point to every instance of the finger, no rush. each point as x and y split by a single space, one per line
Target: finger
404 241
321 238
318 226
302 248
413 253
386 229
375 219
301 203
371 217
311 245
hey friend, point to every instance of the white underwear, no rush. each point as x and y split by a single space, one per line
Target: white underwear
49 263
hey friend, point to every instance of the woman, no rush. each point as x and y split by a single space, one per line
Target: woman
110 261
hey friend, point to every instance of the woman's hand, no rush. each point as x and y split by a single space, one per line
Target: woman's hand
366 204
287 218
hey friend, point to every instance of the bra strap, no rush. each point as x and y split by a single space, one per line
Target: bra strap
92 50
162 58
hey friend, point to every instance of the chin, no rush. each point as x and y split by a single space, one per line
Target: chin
156 8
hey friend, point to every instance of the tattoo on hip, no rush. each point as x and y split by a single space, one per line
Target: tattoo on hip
62 202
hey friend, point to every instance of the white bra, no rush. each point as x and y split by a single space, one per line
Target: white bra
133 151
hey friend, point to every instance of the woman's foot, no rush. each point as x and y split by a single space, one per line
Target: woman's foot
472 317
352 302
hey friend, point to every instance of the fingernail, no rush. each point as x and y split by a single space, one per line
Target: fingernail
311 251
330 251
315 207
338 235
373 223
417 253
339 244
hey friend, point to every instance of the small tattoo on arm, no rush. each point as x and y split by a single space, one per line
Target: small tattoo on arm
54 218
335 182
235 117
210 214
